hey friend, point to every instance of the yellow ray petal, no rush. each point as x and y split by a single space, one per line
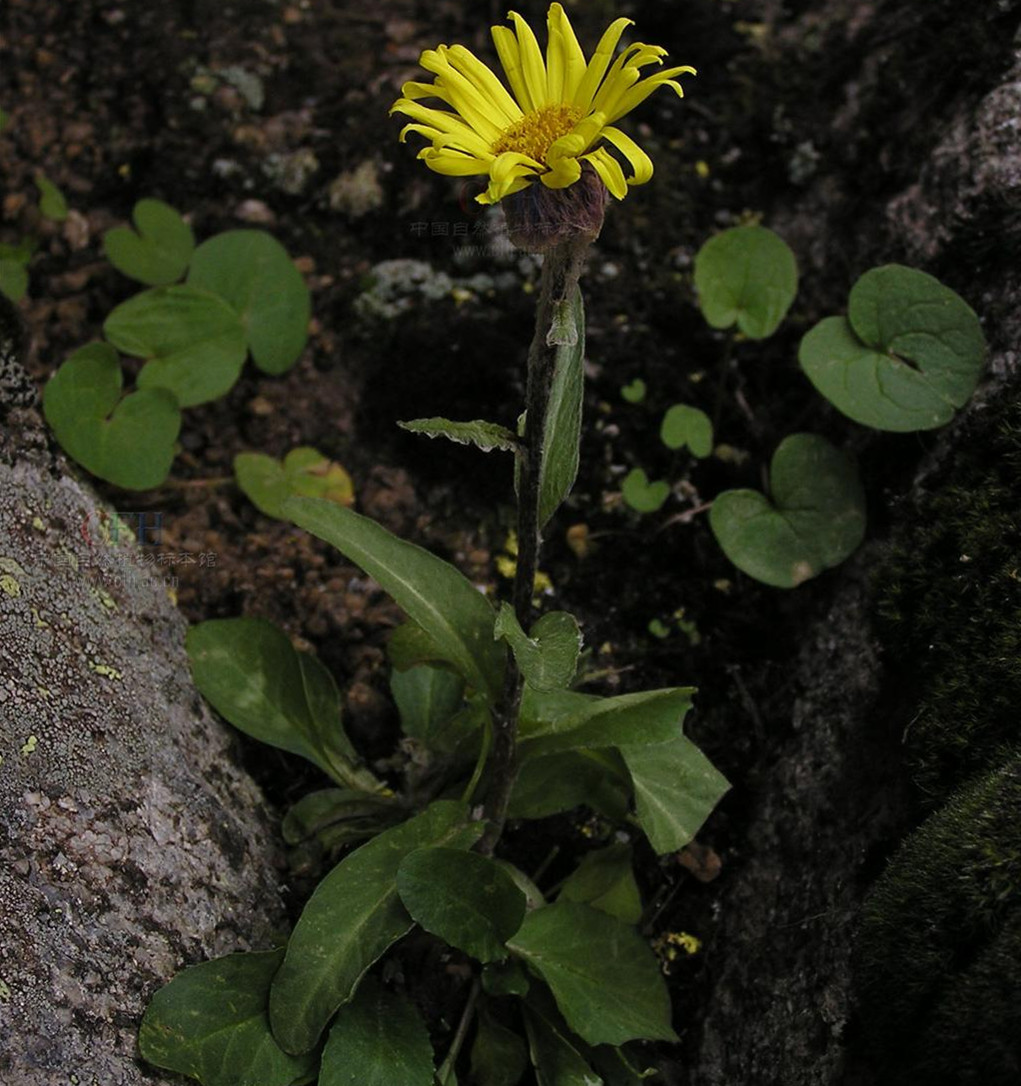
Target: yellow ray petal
452 163
609 170
510 57
446 122
474 107
638 93
465 61
641 164
516 186
599 63
565 171
573 57
531 60
579 139
555 65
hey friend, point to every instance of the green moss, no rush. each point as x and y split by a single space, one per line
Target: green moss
937 933
949 607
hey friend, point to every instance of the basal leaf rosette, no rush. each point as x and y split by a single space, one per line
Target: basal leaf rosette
558 115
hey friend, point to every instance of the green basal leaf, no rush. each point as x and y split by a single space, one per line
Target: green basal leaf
634 391
686 425
560 448
561 782
553 1051
499 1056
304 472
410 645
128 441
256 680
320 810
427 697
641 495
352 918
505 979
193 341
468 900
378 1039
13 279
443 602
483 435
251 271
746 275
676 788
605 880
548 656
815 520
908 355
607 996
157 251
210 1023
52 202
616 1066
650 716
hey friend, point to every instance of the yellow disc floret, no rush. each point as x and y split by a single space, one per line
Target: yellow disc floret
536 132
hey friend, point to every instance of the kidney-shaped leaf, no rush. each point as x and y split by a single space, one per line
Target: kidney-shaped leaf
210 1023
642 495
158 252
354 915
441 600
252 272
815 520
686 425
378 1039
304 471
603 975
468 900
676 788
193 341
909 353
129 441
746 275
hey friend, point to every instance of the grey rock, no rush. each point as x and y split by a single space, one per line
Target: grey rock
131 843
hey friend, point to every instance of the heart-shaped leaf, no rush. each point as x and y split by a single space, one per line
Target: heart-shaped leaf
746 275
548 656
908 354
351 919
815 520
378 1039
158 253
210 1023
608 996
468 900
252 272
129 441
304 471
686 425
193 341
641 495
634 391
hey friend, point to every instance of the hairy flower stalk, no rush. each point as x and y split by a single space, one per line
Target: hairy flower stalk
552 122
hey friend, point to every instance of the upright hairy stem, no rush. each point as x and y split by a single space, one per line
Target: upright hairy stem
561 270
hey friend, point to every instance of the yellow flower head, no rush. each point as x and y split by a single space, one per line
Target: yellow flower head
557 115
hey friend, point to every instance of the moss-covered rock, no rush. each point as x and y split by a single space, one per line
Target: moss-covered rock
938 959
949 595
